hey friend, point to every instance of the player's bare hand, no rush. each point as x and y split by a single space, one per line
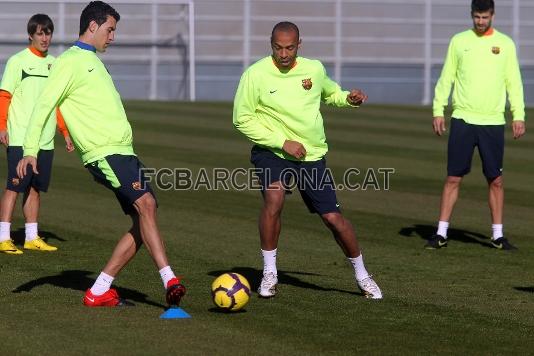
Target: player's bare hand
294 148
68 144
4 138
356 97
518 128
23 165
439 125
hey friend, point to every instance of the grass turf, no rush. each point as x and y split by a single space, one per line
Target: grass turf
467 298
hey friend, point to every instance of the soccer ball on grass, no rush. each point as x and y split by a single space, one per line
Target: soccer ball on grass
230 291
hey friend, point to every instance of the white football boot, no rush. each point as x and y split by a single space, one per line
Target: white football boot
268 284
369 288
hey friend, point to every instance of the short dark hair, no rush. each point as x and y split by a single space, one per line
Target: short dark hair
285 26
482 6
40 20
97 11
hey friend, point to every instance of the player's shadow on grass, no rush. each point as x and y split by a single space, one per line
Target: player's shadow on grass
254 275
426 231
19 236
525 289
80 281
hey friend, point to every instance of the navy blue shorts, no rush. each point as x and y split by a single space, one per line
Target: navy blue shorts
462 142
122 174
313 180
39 181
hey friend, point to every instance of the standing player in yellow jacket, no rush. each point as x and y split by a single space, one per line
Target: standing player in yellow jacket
482 64
21 85
83 88
277 107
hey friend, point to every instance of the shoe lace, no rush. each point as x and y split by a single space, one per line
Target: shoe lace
268 280
369 285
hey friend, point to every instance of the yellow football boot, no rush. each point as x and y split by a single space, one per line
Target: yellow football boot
9 247
38 245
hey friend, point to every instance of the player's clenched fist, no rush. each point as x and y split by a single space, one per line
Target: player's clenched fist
356 97
294 148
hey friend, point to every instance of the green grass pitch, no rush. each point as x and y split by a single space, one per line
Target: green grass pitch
467 298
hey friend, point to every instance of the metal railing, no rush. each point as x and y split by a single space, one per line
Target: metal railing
153 40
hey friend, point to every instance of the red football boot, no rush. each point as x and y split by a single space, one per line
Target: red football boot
109 299
175 292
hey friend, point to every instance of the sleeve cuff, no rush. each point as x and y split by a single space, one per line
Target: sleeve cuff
30 152
437 112
279 142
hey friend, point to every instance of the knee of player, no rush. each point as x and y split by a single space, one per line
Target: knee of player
452 180
334 221
146 204
496 182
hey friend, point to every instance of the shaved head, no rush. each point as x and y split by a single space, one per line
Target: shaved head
285 26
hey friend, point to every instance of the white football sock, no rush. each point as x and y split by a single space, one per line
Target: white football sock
269 261
497 231
102 284
31 231
443 226
5 231
166 274
359 269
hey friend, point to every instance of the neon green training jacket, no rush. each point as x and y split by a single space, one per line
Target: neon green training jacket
483 70
273 105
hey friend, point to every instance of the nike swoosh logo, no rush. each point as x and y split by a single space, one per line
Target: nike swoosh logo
90 70
441 244
499 246
273 91
90 299
26 75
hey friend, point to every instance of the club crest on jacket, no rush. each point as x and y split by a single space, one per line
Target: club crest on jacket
307 83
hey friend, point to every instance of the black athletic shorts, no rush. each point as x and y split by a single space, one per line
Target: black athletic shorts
123 175
464 138
39 181
312 179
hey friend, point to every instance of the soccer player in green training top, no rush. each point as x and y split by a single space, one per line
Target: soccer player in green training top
482 64
81 85
277 107
22 83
